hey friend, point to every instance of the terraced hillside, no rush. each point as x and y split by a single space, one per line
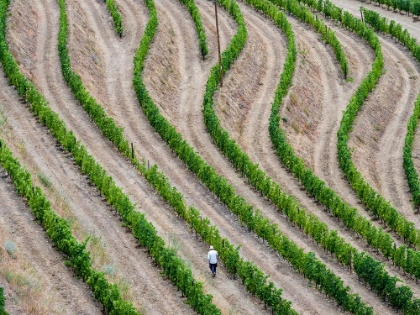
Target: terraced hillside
146 159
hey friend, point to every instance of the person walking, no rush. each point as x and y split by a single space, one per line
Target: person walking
212 258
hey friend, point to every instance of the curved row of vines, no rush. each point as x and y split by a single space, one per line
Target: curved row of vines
116 16
2 302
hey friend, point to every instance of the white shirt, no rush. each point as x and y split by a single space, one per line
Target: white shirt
212 256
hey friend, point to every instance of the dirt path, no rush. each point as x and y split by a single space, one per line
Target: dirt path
395 188
151 292
238 303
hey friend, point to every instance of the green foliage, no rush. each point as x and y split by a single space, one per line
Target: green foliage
116 16
376 277
401 5
195 14
415 7
2 302
408 259
56 228
253 278
408 6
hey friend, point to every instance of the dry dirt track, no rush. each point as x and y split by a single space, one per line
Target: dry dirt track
175 75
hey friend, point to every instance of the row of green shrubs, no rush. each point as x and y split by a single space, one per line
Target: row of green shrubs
196 17
363 190
116 16
144 231
57 228
408 6
2 302
331 284
252 277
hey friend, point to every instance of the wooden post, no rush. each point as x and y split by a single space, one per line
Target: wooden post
218 43
148 166
395 248
361 15
132 150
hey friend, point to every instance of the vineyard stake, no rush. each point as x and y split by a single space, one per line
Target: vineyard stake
132 150
218 43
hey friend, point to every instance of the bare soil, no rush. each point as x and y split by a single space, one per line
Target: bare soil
175 76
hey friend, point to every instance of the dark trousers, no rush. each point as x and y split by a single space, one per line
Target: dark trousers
213 268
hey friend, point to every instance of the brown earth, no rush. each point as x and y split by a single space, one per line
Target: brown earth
176 75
